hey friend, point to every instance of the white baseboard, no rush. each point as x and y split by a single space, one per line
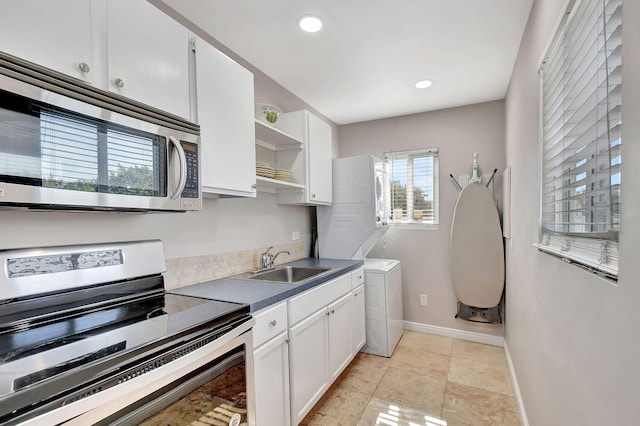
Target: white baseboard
471 336
516 389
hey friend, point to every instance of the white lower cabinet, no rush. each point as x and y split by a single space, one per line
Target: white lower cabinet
271 365
358 325
340 336
308 363
302 345
321 343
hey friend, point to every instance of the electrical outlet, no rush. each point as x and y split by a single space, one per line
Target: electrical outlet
295 235
423 300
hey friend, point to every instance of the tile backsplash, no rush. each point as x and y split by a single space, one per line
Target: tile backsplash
185 271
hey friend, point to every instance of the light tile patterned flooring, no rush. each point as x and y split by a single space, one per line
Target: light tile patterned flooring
429 381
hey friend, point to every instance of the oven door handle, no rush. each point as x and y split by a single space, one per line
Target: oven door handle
183 167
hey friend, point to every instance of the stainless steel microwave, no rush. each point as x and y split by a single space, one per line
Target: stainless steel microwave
67 145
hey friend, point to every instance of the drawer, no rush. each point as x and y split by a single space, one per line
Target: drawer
270 322
357 278
303 305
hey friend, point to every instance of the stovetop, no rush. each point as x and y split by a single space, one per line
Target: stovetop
75 316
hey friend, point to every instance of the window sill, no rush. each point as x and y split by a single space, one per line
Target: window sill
607 277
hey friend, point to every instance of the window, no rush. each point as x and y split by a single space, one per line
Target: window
581 137
412 188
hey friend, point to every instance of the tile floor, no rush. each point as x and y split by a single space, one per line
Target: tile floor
429 381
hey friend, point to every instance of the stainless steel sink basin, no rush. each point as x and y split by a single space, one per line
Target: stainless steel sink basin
288 274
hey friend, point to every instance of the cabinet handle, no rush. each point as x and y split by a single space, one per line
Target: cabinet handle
286 340
313 195
84 67
333 311
273 323
119 82
327 313
359 277
254 186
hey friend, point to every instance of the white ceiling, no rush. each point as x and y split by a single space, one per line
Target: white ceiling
364 62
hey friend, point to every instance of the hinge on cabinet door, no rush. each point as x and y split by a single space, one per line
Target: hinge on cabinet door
192 44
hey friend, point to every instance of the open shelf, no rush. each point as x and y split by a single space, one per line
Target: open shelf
271 185
275 139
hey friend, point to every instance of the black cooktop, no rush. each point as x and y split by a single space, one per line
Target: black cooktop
44 337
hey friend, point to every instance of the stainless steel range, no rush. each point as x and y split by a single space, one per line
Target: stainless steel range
89 336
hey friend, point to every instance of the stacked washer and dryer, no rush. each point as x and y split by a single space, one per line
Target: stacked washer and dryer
349 229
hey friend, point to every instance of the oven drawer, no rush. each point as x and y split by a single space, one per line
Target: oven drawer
269 323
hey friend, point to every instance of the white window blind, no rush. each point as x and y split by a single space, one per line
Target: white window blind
581 137
412 188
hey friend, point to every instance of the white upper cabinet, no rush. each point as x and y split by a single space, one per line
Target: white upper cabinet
315 159
128 47
319 175
54 34
148 56
225 111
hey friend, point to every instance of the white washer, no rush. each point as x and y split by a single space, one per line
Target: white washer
383 300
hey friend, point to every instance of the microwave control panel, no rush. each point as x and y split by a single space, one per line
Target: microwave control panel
191 154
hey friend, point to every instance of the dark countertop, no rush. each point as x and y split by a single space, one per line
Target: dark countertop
259 294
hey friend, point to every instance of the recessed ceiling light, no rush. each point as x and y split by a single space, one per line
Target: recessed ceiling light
310 23
423 84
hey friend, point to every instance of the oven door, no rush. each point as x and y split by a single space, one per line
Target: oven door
208 385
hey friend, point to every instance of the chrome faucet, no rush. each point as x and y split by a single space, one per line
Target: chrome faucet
264 262
267 259
273 258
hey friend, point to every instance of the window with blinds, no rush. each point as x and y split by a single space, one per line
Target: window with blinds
412 188
581 137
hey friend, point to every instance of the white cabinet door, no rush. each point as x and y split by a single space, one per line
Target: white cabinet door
226 116
340 337
308 363
315 161
147 56
54 34
271 365
319 185
357 318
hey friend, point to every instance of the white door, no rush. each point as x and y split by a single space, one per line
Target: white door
54 34
271 365
340 337
357 318
148 56
226 116
319 160
308 363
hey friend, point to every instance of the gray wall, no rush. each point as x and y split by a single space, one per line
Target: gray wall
225 225
572 336
457 132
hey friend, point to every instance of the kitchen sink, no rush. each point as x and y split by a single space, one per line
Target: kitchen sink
288 274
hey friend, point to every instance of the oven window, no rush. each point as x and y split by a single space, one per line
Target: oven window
41 145
210 395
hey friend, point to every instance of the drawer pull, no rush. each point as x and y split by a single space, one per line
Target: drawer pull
359 277
333 311
273 323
